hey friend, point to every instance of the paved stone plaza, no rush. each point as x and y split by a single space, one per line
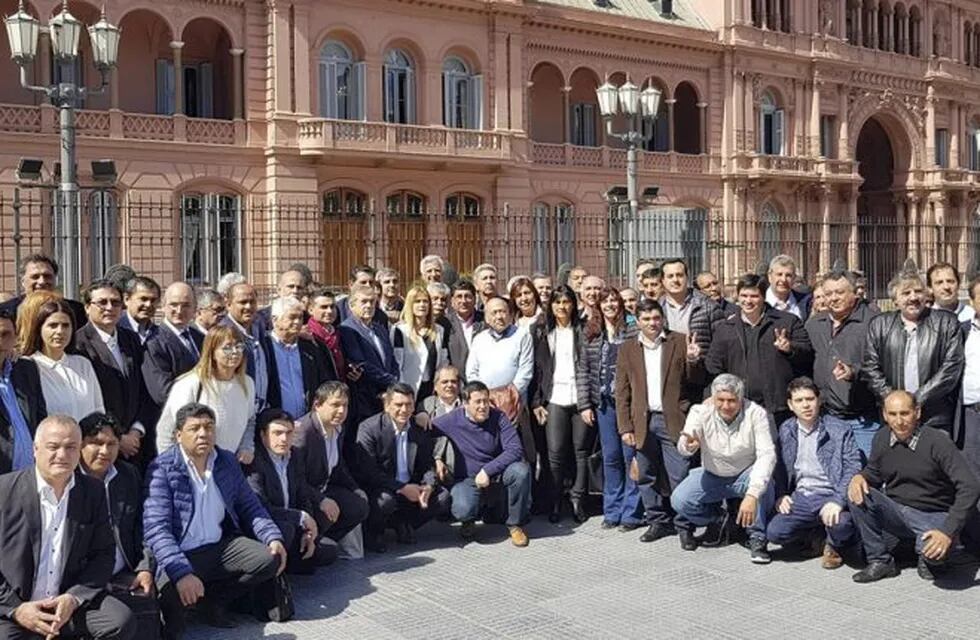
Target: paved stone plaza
590 583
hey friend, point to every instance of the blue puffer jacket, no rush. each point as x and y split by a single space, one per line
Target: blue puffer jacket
169 507
836 450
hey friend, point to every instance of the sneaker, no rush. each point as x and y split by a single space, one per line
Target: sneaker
468 530
518 537
830 558
876 571
606 524
759 551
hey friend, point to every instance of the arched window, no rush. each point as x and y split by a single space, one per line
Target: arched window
899 31
399 88
463 205
344 202
341 83
405 204
915 32
554 236
210 231
770 239
658 131
771 119
462 96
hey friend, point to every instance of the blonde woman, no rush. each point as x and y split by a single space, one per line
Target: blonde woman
419 343
218 381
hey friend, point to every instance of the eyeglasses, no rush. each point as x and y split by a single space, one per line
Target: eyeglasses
233 349
114 303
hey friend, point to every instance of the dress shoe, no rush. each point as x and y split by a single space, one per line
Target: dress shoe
468 530
688 541
216 615
607 525
518 537
375 544
578 511
759 551
554 517
719 533
830 558
928 571
626 527
404 533
657 531
876 571
326 552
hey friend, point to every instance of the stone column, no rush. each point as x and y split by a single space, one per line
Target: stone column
237 82
566 110
114 88
703 119
873 30
670 120
956 133
843 136
815 150
930 161
176 49
764 14
778 17
44 59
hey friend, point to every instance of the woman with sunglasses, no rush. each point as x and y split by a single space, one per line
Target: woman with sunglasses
218 381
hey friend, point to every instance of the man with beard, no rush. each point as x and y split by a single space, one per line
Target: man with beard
917 349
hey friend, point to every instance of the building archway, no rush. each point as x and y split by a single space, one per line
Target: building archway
881 223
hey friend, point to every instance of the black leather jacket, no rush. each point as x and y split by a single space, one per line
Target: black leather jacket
940 362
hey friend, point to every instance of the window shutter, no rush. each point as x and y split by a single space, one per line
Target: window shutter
448 99
357 98
410 96
205 90
777 132
762 131
588 122
476 110
165 87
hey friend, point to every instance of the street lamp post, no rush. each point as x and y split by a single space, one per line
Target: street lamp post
638 107
65 30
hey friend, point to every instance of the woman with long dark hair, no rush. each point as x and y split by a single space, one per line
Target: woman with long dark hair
525 302
605 332
561 400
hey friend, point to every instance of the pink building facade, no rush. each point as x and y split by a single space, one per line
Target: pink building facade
249 134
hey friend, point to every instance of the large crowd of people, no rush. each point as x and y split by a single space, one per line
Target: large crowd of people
178 448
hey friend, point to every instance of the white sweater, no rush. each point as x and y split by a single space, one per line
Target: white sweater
233 406
69 385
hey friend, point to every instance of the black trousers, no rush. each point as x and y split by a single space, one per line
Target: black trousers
388 509
569 438
353 511
292 536
227 568
105 618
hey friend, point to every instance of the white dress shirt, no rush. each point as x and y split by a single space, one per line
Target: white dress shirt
971 372
653 365
209 506
69 385
789 306
51 559
562 344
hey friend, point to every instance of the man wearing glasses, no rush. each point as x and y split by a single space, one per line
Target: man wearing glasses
117 357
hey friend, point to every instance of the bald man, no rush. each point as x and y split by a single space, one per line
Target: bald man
56 546
171 353
917 486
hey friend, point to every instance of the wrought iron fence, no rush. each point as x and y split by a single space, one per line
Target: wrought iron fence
197 237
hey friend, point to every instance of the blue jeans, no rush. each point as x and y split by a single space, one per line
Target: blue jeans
659 459
697 501
804 517
470 500
620 496
879 514
864 430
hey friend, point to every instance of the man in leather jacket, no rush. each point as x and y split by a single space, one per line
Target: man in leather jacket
917 349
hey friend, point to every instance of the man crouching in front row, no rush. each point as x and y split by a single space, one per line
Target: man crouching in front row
197 507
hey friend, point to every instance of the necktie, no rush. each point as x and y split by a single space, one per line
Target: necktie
189 342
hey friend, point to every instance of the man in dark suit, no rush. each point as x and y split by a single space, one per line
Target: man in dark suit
132 572
117 357
56 546
650 422
360 276
21 401
339 504
242 304
296 366
366 343
176 349
39 272
141 297
465 321
277 476
396 467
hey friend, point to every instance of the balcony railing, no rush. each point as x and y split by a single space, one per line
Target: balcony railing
320 135
568 155
115 124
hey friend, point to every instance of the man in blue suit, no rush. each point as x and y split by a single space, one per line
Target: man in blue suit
367 346
198 509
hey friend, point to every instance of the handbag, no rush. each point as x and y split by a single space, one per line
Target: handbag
276 599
